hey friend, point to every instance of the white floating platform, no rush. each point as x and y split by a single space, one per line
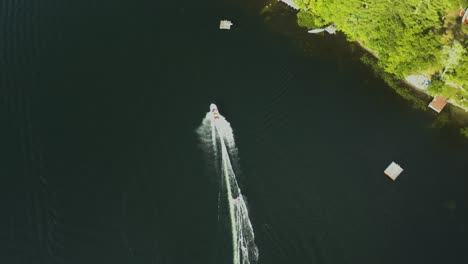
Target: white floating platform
225 24
331 29
317 30
393 170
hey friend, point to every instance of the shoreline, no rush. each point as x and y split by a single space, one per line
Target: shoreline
413 85
422 90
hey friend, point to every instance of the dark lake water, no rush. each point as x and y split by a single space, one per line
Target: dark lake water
100 162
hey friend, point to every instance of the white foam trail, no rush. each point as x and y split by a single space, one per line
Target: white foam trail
243 240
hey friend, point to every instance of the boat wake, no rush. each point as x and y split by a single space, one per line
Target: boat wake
217 138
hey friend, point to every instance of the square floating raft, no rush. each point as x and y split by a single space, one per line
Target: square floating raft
225 24
393 170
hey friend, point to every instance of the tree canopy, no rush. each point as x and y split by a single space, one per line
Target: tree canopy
407 36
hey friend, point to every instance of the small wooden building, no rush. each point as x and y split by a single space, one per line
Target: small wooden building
438 103
393 170
464 15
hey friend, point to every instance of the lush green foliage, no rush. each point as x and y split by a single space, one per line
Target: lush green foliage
452 56
305 19
464 131
436 87
408 36
459 74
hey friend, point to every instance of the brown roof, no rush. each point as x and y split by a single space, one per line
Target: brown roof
438 103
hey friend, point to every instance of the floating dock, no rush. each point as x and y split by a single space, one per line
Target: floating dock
225 24
393 170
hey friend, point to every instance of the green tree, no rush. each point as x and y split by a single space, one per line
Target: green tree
435 88
464 131
452 56
306 19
